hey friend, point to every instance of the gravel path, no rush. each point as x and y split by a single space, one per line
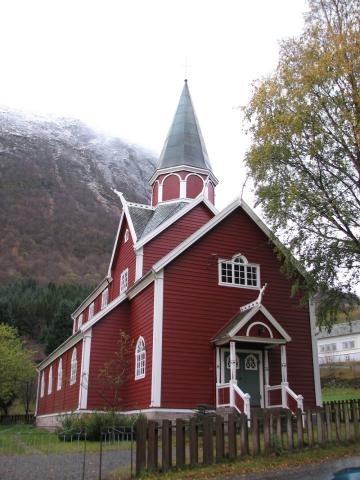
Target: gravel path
68 466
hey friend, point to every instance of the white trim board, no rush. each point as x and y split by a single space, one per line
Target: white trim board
157 340
93 295
312 314
70 342
85 370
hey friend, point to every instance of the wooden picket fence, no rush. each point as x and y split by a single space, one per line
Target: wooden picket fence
213 439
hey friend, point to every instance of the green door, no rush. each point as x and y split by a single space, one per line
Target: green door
247 374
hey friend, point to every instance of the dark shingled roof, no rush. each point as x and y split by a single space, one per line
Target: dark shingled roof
184 144
146 220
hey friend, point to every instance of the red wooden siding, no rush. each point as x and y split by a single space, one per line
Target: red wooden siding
67 398
136 320
171 187
211 194
175 234
194 186
155 194
124 258
196 307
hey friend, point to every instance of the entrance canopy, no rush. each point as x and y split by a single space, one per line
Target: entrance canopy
255 324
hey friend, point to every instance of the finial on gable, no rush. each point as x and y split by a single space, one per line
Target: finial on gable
256 302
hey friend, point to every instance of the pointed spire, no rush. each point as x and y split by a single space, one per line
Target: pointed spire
184 144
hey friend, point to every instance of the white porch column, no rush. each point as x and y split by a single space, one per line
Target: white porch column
267 379
218 371
284 382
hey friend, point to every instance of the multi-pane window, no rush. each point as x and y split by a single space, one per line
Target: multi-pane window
330 347
42 385
91 311
104 298
349 344
80 320
50 381
59 375
73 368
124 277
238 272
140 359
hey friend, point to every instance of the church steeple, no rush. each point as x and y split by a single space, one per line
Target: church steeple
184 169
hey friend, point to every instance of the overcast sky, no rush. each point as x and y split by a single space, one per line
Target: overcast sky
119 65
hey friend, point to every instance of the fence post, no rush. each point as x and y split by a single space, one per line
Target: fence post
320 425
328 422
208 444
219 438
347 422
194 442
289 430
279 443
152 460
232 436
299 429
309 427
180 443
141 430
355 419
244 435
255 435
267 439
166 445
337 422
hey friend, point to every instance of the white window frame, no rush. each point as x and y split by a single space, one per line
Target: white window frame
59 375
80 320
42 384
73 369
104 298
126 236
50 375
124 280
91 310
232 262
140 359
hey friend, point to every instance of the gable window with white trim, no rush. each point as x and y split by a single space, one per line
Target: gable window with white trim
140 359
238 272
59 375
42 385
91 310
126 236
50 381
104 298
73 368
124 280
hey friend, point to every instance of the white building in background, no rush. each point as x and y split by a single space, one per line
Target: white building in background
342 344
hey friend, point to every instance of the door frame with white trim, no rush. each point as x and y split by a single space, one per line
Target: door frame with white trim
261 369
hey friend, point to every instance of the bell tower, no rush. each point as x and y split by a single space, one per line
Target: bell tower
183 171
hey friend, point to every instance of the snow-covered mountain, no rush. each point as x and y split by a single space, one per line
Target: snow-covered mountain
58 213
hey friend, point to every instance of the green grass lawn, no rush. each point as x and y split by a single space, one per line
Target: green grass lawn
330 394
27 440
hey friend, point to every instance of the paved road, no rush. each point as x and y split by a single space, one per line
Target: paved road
61 467
320 471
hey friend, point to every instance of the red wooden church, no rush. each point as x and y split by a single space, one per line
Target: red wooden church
187 284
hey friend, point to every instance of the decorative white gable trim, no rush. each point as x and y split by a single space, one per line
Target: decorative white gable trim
192 204
318 397
259 323
157 340
267 314
85 369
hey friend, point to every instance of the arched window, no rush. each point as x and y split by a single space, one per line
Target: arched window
80 320
73 367
42 385
140 359
251 362
104 298
126 236
59 375
50 381
238 272
91 311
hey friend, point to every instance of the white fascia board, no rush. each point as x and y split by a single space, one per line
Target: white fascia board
174 218
70 342
196 236
103 312
116 242
244 320
236 338
275 323
312 315
186 168
93 295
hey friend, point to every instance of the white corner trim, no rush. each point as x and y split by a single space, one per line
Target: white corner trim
160 192
139 263
312 315
85 369
157 340
174 218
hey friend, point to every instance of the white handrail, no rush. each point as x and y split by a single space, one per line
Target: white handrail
285 390
246 399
